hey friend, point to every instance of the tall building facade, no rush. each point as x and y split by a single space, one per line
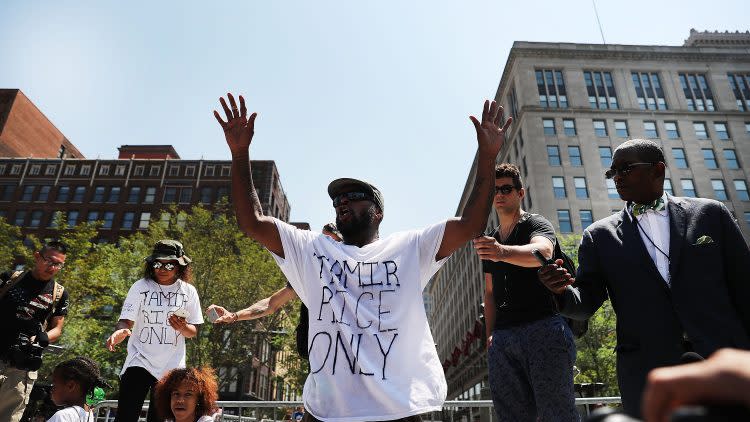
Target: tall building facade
572 105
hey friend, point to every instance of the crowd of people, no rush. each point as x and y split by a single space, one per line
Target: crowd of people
671 266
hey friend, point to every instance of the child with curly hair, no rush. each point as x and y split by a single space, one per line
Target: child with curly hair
187 395
73 381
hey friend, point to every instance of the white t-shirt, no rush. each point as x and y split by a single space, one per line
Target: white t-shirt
154 345
372 356
72 414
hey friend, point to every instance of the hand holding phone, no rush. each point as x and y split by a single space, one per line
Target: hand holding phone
542 260
213 315
182 313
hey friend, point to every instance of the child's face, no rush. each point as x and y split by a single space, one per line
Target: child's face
183 402
62 391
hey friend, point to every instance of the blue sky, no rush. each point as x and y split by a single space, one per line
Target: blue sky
375 90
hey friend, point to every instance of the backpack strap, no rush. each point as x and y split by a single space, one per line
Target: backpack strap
14 279
57 293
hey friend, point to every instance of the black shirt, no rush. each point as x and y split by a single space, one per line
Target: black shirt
519 295
26 306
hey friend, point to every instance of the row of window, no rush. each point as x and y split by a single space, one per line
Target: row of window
587 218
650 129
680 159
113 194
119 170
688 188
601 91
130 220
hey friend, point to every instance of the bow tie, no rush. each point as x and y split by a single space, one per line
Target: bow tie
657 205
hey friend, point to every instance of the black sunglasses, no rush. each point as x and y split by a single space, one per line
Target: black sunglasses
168 266
504 189
624 170
352 196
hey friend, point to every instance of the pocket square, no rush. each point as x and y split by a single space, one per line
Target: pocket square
704 240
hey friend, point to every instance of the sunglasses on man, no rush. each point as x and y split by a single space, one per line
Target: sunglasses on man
167 266
624 170
351 196
504 189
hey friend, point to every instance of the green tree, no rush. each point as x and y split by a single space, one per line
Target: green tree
596 349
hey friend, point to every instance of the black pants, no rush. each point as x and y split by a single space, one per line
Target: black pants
134 384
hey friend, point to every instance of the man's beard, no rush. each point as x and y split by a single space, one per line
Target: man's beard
356 223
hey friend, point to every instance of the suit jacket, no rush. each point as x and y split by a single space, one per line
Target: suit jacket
708 301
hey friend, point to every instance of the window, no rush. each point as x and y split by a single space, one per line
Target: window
563 217
741 187
135 195
688 189
206 195
740 86
154 171
104 170
186 194
50 170
575 156
15 170
709 158
700 130
720 192
668 186
225 171
747 218
70 169
35 169
150 195
649 91
43 195
747 127
109 217
120 170
36 219
679 158
513 100
731 158
127 221
63 194
549 126
601 90
174 170
222 193
605 155
2 168
582 191
98 194
139 170
79 193
209 171
600 128
551 87
553 155
190 171
170 195
72 218
85 170
721 130
649 130
20 220
621 128
611 189
164 219
145 220
672 131
697 92
558 187
181 220
586 218
114 195
569 127
8 192
28 193
93 216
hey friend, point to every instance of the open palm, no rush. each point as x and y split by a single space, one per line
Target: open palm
239 128
491 131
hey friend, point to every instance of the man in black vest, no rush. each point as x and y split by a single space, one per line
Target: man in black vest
32 310
674 268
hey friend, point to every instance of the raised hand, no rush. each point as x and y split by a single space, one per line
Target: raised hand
239 128
491 130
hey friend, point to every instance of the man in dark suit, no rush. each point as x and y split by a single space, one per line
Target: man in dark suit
674 268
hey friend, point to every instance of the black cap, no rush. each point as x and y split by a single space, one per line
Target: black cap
336 188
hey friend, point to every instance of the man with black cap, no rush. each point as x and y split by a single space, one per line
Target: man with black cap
372 356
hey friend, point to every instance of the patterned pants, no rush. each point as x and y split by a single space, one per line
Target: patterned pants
531 372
